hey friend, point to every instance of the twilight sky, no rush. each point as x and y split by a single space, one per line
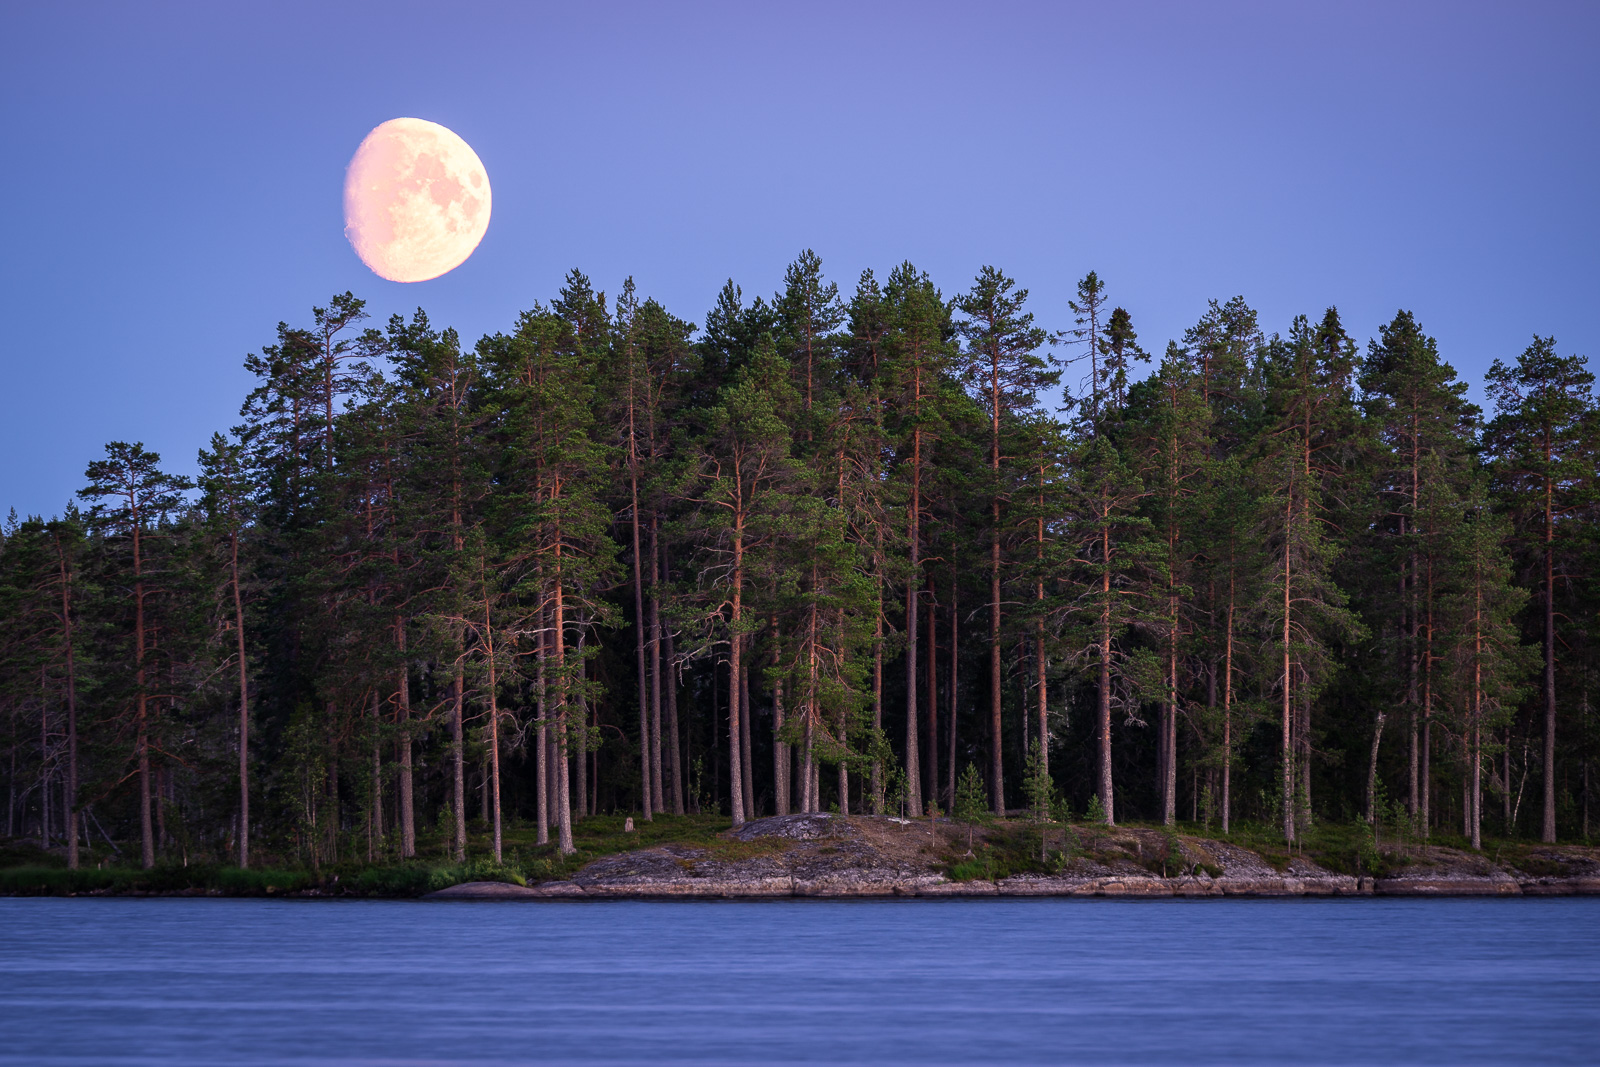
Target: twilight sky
174 173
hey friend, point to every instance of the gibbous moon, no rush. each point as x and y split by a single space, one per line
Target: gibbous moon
416 200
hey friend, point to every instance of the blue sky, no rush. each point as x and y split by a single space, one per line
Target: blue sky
173 173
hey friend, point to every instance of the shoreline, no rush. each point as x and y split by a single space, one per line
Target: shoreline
826 857
831 857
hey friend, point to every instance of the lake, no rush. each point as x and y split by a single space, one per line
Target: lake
210 981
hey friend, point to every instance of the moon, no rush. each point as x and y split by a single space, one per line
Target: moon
416 200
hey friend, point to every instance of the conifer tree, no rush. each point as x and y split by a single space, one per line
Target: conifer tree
1310 378
918 364
1541 461
1175 442
743 474
1484 652
226 504
1116 559
1003 367
440 382
133 497
1419 416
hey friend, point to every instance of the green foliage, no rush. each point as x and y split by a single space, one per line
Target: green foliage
1251 551
972 803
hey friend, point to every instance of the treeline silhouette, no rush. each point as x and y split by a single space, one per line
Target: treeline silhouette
823 553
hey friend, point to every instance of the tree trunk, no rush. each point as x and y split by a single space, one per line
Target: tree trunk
659 762
735 672
1372 772
950 774
1103 695
745 747
147 844
542 756
458 763
580 738
408 811
647 789
375 807
1288 706
1103 711
72 698
1170 744
1227 712
494 732
563 785
877 688
996 758
913 585
1425 744
678 798
931 770
808 796
780 750
1548 829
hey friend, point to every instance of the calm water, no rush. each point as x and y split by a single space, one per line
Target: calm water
1036 981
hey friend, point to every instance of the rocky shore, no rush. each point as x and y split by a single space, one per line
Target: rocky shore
828 856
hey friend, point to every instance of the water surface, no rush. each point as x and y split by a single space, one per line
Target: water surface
978 981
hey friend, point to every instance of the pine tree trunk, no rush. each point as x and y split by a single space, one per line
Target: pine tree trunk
647 789
735 672
541 757
659 762
745 747
563 732
931 770
1043 696
1425 744
1477 720
678 798
1288 706
808 796
1170 785
1227 713
997 755
996 758
408 811
147 845
1103 694
950 770
913 585
375 808
580 742
780 750
877 687
1548 829
458 763
1372 772
72 698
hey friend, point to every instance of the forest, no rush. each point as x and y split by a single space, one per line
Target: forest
867 552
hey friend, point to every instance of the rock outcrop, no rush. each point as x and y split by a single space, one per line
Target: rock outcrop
827 856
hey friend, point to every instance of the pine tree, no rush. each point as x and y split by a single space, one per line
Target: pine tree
1483 647
917 367
1310 378
226 503
1174 440
743 475
1004 369
133 497
1419 415
1540 459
